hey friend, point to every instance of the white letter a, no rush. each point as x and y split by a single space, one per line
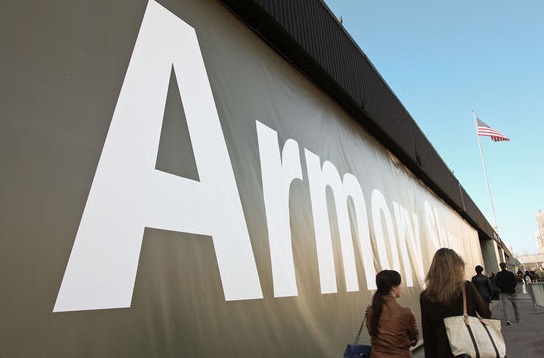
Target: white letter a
129 194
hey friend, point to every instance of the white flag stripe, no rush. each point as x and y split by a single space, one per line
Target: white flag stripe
484 130
488 132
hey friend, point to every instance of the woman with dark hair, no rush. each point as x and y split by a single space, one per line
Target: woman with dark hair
443 298
392 328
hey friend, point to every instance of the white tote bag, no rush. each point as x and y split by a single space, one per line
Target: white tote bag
475 336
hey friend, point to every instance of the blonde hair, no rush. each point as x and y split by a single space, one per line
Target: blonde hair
445 277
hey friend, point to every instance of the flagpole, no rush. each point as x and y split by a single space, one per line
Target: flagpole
485 172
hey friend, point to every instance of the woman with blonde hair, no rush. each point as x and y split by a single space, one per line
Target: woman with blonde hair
443 298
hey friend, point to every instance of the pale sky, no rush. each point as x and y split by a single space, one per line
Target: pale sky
445 58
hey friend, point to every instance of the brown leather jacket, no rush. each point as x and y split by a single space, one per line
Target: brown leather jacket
397 330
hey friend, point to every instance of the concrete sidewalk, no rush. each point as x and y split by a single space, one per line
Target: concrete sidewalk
524 339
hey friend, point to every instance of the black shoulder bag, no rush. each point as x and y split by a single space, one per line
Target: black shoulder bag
357 350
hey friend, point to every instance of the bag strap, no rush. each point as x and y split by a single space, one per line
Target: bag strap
465 318
465 314
358 335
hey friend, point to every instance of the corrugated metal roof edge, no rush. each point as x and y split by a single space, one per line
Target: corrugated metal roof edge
257 15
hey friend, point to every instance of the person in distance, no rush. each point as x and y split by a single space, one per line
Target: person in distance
507 283
483 284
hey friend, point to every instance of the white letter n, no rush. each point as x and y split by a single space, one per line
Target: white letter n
129 194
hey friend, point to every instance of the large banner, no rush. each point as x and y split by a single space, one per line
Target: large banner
172 187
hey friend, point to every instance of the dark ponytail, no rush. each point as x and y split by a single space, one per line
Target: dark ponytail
385 280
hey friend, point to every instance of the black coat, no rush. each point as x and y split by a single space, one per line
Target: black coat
506 281
484 286
435 339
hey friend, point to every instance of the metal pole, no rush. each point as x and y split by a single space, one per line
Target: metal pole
485 173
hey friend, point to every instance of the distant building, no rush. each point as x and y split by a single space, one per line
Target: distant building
540 232
532 261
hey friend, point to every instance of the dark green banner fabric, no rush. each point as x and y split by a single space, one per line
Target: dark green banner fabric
172 187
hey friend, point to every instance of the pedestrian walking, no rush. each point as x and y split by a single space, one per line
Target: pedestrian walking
393 328
528 277
507 283
494 287
539 274
443 298
483 285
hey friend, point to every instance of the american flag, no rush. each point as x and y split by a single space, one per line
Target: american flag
486 131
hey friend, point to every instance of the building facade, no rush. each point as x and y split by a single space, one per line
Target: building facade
174 186
540 232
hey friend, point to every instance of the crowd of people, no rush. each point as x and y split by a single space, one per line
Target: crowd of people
529 276
534 275
393 328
